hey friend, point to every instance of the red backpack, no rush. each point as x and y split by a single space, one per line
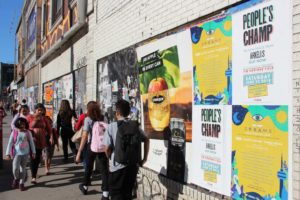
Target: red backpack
15 136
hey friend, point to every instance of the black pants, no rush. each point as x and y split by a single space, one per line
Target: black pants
66 136
35 162
103 161
121 183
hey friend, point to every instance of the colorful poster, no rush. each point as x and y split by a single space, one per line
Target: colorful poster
166 84
212 56
55 91
212 148
260 152
48 93
261 57
48 98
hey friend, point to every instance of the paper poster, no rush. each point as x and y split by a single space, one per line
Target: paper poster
49 111
119 71
32 97
80 91
48 93
260 152
55 91
67 88
166 84
157 157
212 55
212 148
106 95
261 57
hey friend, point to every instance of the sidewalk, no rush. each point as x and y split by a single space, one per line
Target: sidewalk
61 184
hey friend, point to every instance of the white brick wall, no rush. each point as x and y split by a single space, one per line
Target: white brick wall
57 67
296 99
122 23
91 65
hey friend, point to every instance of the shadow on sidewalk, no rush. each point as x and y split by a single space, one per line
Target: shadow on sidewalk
5 176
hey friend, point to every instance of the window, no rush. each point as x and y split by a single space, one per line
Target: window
57 8
44 19
31 28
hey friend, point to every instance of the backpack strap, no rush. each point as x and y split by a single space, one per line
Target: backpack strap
15 135
28 139
91 131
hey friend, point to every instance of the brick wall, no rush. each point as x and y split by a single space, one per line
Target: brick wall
122 23
157 187
91 65
296 99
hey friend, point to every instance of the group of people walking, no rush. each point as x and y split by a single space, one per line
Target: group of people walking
116 145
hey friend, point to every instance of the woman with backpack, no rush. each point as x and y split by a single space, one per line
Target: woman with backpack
41 129
78 127
64 127
93 133
19 146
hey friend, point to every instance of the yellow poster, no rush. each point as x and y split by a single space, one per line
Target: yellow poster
260 152
212 50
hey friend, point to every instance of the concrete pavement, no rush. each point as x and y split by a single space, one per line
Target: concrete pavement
61 184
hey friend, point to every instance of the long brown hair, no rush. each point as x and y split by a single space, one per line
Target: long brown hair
65 110
94 112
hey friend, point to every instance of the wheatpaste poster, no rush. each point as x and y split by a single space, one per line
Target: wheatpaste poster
212 61
165 77
260 152
261 40
212 148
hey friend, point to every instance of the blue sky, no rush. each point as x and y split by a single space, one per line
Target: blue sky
10 11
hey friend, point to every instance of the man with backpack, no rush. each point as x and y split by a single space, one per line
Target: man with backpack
123 148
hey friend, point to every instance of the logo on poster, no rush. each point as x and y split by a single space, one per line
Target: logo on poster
258 25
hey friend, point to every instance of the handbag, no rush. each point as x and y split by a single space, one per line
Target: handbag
77 136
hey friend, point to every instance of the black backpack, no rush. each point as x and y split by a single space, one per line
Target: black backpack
127 148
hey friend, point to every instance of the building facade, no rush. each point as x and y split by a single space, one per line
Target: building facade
64 54
7 76
204 79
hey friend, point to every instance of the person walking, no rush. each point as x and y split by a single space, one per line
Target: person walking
48 151
93 133
2 109
123 148
23 113
79 125
19 146
14 108
64 127
41 129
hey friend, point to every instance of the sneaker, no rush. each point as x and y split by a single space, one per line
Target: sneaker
33 180
15 184
104 198
83 189
21 187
